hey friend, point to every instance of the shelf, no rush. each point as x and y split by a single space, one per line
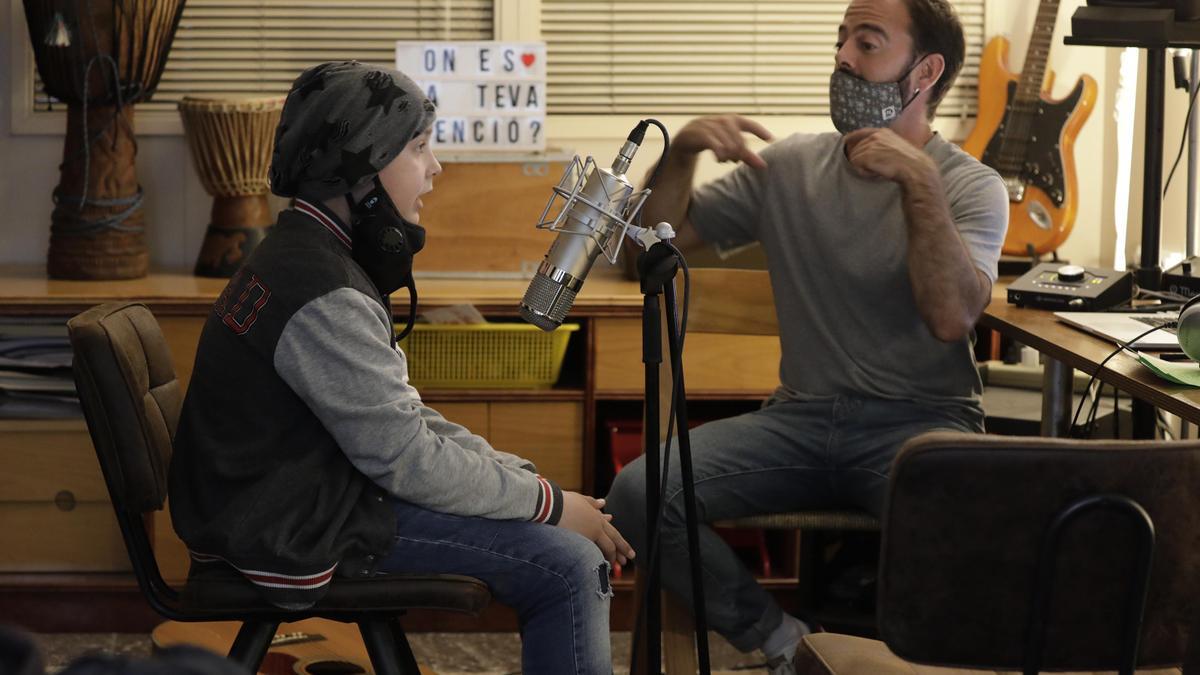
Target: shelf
540 395
626 582
1131 27
27 424
707 395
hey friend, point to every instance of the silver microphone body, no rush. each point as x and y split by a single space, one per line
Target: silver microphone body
589 219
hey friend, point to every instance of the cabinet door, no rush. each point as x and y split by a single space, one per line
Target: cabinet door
54 505
712 363
45 537
473 416
548 434
182 334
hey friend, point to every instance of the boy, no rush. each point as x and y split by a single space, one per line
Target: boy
303 452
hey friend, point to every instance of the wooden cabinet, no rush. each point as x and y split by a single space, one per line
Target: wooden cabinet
712 363
54 505
547 434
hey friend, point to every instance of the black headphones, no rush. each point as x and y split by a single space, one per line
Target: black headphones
384 244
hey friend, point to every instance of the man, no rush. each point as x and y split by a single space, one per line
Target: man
881 242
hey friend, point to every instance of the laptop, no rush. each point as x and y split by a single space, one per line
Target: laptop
1122 327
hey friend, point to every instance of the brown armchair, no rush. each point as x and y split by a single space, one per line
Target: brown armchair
132 399
1031 554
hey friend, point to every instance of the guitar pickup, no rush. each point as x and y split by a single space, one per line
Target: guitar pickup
1016 189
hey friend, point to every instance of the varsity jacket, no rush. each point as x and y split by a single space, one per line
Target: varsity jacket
299 426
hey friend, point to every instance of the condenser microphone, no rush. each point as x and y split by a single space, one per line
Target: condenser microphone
596 208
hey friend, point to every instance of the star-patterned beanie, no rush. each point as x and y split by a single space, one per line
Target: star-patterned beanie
341 124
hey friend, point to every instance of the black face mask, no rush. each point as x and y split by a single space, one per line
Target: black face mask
384 244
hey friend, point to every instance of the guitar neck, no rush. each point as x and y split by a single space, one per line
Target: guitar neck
1033 73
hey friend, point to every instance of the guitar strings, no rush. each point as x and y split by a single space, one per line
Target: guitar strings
1014 145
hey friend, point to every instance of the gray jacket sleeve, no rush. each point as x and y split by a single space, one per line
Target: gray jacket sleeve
461 435
456 432
336 354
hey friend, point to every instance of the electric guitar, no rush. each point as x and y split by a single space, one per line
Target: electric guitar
1029 138
309 647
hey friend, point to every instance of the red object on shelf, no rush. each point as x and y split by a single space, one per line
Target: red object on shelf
625 445
625 442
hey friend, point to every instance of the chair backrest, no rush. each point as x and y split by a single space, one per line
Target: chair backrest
732 301
131 399
967 518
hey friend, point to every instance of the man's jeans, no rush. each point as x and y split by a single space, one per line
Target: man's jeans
821 452
556 580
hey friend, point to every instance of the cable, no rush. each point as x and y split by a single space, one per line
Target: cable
1120 348
1182 142
1163 427
1090 423
662 159
1168 296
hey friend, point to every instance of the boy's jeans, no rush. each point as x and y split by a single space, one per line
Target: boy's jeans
556 580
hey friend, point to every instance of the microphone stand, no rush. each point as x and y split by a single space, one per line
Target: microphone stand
656 267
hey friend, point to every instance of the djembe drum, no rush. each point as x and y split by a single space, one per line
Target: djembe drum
99 57
231 142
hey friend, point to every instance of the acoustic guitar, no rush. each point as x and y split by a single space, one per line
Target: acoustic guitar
1029 138
309 647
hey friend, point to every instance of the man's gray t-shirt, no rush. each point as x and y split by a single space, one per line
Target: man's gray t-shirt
836 246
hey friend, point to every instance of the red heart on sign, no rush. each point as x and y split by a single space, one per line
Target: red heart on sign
528 59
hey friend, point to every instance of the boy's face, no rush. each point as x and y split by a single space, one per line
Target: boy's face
410 175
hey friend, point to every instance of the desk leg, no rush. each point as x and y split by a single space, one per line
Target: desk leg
1057 381
1145 420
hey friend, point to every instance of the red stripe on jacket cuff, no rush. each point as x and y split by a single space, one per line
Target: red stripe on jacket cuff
545 501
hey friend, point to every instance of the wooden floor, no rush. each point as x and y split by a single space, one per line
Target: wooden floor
444 653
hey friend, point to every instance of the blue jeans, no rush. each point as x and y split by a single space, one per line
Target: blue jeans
556 580
820 452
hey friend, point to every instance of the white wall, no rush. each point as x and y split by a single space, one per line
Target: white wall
1174 227
177 206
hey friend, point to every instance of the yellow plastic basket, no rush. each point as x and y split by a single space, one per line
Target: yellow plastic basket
485 356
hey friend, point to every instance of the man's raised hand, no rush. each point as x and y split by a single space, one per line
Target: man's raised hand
725 135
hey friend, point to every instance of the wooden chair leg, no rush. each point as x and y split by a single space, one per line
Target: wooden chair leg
250 646
679 636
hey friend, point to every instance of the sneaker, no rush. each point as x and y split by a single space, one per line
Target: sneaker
782 665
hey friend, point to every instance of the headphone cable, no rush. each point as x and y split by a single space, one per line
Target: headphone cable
1121 346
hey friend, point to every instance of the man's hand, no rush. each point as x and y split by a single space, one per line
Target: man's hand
582 514
882 153
725 135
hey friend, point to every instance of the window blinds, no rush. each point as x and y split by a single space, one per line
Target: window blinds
710 56
604 56
247 47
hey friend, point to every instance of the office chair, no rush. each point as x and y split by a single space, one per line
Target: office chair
1031 554
131 399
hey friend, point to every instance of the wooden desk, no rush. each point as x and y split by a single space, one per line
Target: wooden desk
1068 348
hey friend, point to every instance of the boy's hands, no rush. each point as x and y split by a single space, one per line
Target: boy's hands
582 514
